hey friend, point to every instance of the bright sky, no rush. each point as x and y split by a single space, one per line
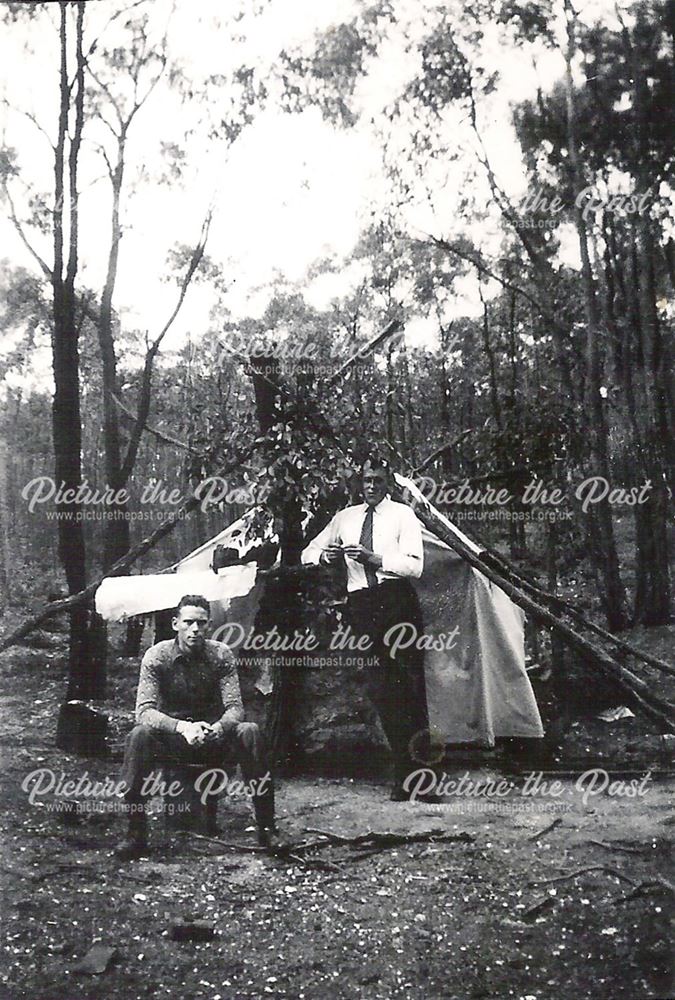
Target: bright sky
291 190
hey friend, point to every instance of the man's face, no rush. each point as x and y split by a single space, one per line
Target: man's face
190 626
375 485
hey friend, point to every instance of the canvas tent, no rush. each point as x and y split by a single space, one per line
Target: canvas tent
477 686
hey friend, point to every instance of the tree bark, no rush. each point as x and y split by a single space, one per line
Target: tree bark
600 528
653 590
66 419
447 458
280 601
5 548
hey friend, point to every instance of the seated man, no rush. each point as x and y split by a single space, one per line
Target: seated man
189 710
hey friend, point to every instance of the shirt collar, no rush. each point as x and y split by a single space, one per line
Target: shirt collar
178 654
378 507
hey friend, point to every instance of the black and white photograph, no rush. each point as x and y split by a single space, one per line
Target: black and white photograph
337 471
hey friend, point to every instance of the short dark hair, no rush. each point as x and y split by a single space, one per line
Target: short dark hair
376 462
193 601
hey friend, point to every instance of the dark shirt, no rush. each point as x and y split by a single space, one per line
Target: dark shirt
174 686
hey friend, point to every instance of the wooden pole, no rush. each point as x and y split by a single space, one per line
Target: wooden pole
560 605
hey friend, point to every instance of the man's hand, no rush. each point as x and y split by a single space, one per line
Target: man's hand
194 733
362 555
331 553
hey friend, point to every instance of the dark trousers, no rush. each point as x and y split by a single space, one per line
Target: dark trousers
146 749
396 685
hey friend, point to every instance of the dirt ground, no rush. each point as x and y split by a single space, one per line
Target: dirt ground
498 912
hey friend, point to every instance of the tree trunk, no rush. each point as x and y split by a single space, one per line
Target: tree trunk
5 550
116 532
447 458
492 366
410 447
133 637
390 400
653 587
600 528
562 716
66 420
652 579
280 601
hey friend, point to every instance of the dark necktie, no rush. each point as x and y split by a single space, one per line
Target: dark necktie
366 540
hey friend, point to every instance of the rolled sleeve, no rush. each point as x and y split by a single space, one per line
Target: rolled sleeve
311 555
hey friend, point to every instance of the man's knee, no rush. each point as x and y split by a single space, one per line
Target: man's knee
248 734
250 740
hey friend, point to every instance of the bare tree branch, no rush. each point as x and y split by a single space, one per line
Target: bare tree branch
100 148
73 157
44 267
31 118
390 329
439 451
106 90
153 348
478 261
113 17
160 435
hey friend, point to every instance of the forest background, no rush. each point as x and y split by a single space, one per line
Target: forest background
199 202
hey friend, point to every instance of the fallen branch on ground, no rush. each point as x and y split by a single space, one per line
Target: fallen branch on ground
316 805
318 863
537 909
387 839
244 848
547 829
289 851
647 887
582 871
65 870
616 847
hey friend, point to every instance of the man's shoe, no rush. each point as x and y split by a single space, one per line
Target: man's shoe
131 848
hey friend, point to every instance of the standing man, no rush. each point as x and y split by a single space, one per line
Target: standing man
381 544
189 710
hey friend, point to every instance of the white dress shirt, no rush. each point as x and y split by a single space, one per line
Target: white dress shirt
397 537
